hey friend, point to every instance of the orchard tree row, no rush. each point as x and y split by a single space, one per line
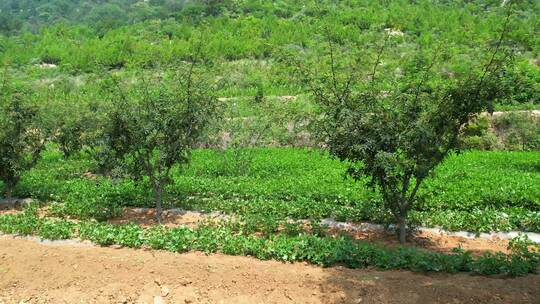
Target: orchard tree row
394 122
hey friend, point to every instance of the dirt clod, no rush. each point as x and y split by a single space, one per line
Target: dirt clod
159 300
165 291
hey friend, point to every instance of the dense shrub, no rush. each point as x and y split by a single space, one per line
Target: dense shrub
21 136
519 131
153 125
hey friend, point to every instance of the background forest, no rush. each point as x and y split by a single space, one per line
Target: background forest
245 39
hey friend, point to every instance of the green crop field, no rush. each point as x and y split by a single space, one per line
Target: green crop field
475 191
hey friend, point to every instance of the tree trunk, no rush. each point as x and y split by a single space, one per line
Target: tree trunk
9 197
402 225
158 198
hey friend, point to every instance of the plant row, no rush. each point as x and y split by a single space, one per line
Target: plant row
475 191
312 248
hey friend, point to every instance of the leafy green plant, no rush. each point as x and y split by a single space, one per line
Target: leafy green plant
99 233
477 135
155 125
396 128
89 200
320 250
259 95
55 229
21 140
519 130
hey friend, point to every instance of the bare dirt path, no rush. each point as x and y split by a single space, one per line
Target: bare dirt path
37 273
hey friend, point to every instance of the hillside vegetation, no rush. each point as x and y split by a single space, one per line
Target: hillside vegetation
247 39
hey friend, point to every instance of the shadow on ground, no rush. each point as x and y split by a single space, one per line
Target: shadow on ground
370 286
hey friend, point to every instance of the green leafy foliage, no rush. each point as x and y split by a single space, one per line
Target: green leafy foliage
394 123
315 249
474 191
97 35
21 140
519 131
154 125
55 229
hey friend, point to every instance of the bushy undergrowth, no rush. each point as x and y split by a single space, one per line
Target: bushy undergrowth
511 131
238 239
